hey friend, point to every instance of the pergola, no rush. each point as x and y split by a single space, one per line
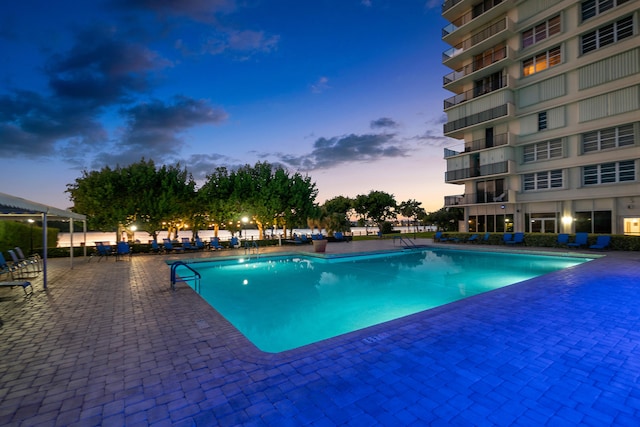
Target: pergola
17 208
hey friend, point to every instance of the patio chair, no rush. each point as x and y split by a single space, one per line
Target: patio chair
27 268
517 239
6 268
200 244
581 240
103 249
507 238
186 244
122 249
168 246
35 260
473 238
235 243
439 237
154 247
563 239
215 243
602 242
485 238
22 283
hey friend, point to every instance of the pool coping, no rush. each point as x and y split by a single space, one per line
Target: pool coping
246 351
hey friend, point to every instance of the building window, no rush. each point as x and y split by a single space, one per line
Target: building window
607 173
607 35
591 8
542 180
593 222
541 32
542 120
542 150
542 61
605 139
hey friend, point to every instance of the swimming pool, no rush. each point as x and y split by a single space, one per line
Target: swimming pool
284 302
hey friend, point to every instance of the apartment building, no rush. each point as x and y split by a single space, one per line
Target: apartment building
546 108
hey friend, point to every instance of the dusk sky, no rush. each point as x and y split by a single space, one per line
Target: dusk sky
346 91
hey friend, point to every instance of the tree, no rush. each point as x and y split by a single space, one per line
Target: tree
377 206
338 214
215 198
114 199
411 209
446 219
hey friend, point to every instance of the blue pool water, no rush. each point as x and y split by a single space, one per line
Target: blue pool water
280 303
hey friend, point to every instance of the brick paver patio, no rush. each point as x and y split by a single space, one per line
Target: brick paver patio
110 344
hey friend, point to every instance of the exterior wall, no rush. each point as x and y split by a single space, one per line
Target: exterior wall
581 93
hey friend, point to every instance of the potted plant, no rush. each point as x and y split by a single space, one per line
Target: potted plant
319 243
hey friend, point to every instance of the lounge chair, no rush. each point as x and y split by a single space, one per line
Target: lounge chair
563 239
234 243
34 260
215 243
200 244
186 244
168 246
473 238
485 238
439 237
602 242
6 268
581 240
517 238
122 249
22 283
25 267
507 238
154 247
103 249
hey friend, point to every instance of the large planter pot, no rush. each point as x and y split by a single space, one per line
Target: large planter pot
319 245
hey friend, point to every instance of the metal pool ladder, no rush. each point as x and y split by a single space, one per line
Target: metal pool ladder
174 278
407 243
251 247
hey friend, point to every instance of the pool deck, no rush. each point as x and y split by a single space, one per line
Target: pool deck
109 343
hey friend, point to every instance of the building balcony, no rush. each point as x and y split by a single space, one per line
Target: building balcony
481 144
478 15
476 198
448 4
497 84
489 62
461 175
455 128
477 42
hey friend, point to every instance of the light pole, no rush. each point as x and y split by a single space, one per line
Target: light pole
31 221
244 231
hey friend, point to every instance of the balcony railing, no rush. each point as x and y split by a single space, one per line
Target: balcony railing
475 39
474 172
477 91
474 119
479 64
479 144
448 4
469 16
476 198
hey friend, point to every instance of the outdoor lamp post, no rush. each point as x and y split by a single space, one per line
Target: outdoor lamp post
31 221
244 224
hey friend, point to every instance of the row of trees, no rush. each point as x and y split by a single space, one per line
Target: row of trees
167 198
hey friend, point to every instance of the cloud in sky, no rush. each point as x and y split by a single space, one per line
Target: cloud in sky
320 85
331 152
383 122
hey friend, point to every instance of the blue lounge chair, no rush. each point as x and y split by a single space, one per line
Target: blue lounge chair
34 260
22 283
154 247
602 242
235 243
473 238
200 244
507 238
338 236
581 240
168 246
122 249
186 244
103 249
6 268
563 239
27 267
215 243
485 238
439 237
517 238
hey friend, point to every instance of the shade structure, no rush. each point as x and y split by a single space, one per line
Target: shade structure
16 208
